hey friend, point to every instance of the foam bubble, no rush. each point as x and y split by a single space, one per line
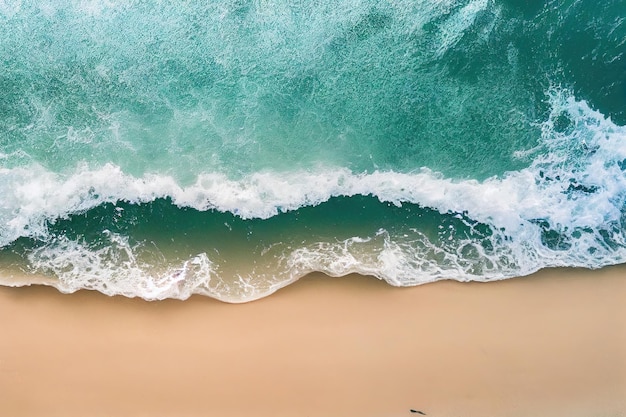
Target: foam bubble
115 269
454 27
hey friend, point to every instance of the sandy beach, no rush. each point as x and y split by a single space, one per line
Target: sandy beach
553 344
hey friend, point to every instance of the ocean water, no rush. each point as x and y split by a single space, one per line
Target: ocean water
160 149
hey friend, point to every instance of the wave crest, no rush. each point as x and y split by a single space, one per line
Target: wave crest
565 209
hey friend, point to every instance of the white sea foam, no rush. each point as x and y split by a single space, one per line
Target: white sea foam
454 27
115 269
575 188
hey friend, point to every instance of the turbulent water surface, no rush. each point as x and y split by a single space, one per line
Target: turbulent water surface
227 148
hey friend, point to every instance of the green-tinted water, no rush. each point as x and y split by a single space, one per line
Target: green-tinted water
246 143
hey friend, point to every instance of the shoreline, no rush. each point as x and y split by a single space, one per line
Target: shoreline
550 344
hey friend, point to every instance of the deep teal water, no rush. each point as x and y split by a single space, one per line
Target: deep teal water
158 149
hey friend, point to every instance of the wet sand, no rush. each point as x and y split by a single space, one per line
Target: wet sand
553 344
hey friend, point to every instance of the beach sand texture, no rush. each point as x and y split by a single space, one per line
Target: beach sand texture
553 344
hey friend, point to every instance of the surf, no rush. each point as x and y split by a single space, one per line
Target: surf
230 149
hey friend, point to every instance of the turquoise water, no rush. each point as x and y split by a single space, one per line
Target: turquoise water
160 150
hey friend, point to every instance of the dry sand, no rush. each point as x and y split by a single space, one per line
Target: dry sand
549 345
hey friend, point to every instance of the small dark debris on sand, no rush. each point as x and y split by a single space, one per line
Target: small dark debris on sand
418 412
